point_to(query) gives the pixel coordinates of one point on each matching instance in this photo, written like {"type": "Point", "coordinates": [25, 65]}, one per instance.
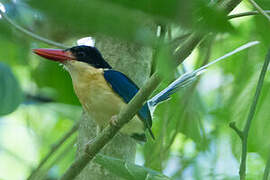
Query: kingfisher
{"type": "Point", "coordinates": [101, 90]}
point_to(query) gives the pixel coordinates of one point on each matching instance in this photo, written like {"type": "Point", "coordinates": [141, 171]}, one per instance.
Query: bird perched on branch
{"type": "Point", "coordinates": [103, 91]}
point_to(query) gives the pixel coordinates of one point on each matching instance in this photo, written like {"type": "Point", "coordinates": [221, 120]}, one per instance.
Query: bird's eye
{"type": "Point", "coordinates": [81, 54]}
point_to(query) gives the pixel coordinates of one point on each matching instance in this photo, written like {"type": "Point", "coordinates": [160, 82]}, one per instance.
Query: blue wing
{"type": "Point", "coordinates": [127, 89]}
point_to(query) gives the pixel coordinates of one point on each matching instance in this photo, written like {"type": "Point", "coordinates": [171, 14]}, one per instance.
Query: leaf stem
{"type": "Point", "coordinates": [249, 13]}
{"type": "Point", "coordinates": [244, 133]}
{"type": "Point", "coordinates": [238, 131]}
{"type": "Point", "coordinates": [259, 9]}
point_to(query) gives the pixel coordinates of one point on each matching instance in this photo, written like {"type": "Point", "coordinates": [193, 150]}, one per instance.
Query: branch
{"type": "Point", "coordinates": [261, 11]}
{"type": "Point", "coordinates": [244, 134]}
{"type": "Point", "coordinates": [125, 115]}
{"type": "Point", "coordinates": [187, 47]}
{"type": "Point", "coordinates": [251, 115]}
{"type": "Point", "coordinates": [59, 157]}
{"type": "Point", "coordinates": [238, 131]}
{"type": "Point", "coordinates": [249, 13]}
{"type": "Point", "coordinates": [28, 33]}
{"type": "Point", "coordinates": [54, 148]}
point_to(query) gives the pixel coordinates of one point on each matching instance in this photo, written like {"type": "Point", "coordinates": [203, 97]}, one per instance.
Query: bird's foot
{"type": "Point", "coordinates": [88, 145]}
{"type": "Point", "coordinates": [114, 120]}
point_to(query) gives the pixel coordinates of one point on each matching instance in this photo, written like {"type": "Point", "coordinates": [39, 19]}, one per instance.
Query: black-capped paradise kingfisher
{"type": "Point", "coordinates": [101, 90]}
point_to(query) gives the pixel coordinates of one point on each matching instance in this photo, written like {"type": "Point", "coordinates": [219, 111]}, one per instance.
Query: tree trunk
{"type": "Point", "coordinates": [134, 61]}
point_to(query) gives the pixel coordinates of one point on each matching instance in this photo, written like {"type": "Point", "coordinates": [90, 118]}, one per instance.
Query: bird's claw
{"type": "Point", "coordinates": [114, 120]}
{"type": "Point", "coordinates": [88, 144]}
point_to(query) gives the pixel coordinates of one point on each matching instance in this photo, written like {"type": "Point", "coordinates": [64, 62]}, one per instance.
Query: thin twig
{"type": "Point", "coordinates": [238, 131]}
{"type": "Point", "coordinates": [258, 8]}
{"type": "Point", "coordinates": [110, 131]}
{"type": "Point", "coordinates": [244, 133]}
{"type": "Point", "coordinates": [59, 157]}
{"type": "Point", "coordinates": [251, 114]}
{"type": "Point", "coordinates": [54, 148]}
{"type": "Point", "coordinates": [159, 45]}
{"type": "Point", "coordinates": [187, 47]}
{"type": "Point", "coordinates": [31, 34]}
{"type": "Point", "coordinates": [249, 13]}
{"type": "Point", "coordinates": [267, 168]}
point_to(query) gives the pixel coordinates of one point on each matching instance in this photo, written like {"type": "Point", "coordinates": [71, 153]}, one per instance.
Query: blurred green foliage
{"type": "Point", "coordinates": [193, 137]}
{"type": "Point", "coordinates": [10, 93]}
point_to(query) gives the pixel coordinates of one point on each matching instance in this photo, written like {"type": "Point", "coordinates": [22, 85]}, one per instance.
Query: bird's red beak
{"type": "Point", "coordinates": [55, 54]}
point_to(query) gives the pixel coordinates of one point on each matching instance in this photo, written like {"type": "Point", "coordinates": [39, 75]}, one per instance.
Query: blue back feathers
{"type": "Point", "coordinates": [127, 89]}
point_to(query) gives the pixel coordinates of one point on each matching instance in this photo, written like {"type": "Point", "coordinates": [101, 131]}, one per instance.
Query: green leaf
{"type": "Point", "coordinates": [158, 8]}
{"type": "Point", "coordinates": [165, 62]}
{"type": "Point", "coordinates": [209, 18]}
{"type": "Point", "coordinates": [5, 30]}
{"type": "Point", "coordinates": [128, 170]}
{"type": "Point", "coordinates": [180, 114]}
{"type": "Point", "coordinates": [262, 22]}
{"type": "Point", "coordinates": [98, 17]}
{"type": "Point", "coordinates": [10, 92]}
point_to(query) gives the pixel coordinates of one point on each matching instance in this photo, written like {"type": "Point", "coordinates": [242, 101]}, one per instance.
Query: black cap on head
{"type": "Point", "coordinates": [90, 55]}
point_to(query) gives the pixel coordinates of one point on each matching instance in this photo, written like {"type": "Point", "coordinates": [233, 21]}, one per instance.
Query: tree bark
{"type": "Point", "coordinates": [135, 62]}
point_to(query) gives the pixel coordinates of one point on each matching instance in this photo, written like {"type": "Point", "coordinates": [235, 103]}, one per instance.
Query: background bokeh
{"type": "Point", "coordinates": [194, 140]}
